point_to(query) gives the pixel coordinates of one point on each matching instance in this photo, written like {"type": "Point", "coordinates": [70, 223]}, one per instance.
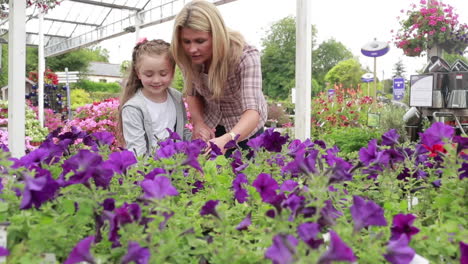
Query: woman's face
{"type": "Point", "coordinates": [197, 45]}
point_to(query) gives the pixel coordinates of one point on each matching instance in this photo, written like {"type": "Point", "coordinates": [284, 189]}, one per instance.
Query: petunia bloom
{"type": "Point", "coordinates": [4, 252]}
{"type": "Point", "coordinates": [81, 252]}
{"type": "Point", "coordinates": [337, 251]}
{"type": "Point", "coordinates": [240, 194]}
{"type": "Point", "coordinates": [244, 224]}
{"type": "Point", "coordinates": [136, 254]}
{"type": "Point", "coordinates": [266, 186]}
{"type": "Point", "coordinates": [463, 252]}
{"type": "Point", "coordinates": [308, 233]}
{"type": "Point", "coordinates": [283, 249]}
{"type": "Point", "coordinates": [158, 188]}
{"type": "Point", "coordinates": [210, 208]}
{"type": "Point", "coordinates": [403, 225]}
{"type": "Point", "coordinates": [366, 213]}
{"type": "Point", "coordinates": [398, 251]}
{"type": "Point", "coordinates": [38, 190]}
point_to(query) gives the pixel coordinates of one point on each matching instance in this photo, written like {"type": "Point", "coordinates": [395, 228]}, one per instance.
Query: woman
{"type": "Point", "coordinates": [222, 75]}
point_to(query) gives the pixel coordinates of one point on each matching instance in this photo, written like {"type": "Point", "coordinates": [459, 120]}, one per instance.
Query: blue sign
{"type": "Point", "coordinates": [398, 88]}
{"type": "Point", "coordinates": [331, 92]}
{"type": "Point", "coordinates": [367, 80]}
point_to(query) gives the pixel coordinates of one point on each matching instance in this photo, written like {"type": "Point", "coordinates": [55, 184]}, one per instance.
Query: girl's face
{"type": "Point", "coordinates": [197, 45]}
{"type": "Point", "coordinates": [155, 73]}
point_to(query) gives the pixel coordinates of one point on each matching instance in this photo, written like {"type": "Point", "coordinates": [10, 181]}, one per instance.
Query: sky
{"type": "Point", "coordinates": [353, 23]}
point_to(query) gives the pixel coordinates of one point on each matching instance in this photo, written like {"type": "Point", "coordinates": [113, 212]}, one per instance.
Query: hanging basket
{"type": "Point", "coordinates": [452, 47]}
{"type": "Point", "coordinates": [412, 53]}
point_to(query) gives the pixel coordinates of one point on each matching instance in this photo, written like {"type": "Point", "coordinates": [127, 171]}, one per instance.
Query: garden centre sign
{"type": "Point", "coordinates": [375, 49]}
{"type": "Point", "coordinates": [398, 88]}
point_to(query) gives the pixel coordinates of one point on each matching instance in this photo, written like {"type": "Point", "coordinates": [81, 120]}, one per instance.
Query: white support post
{"type": "Point", "coordinates": [16, 77]}
{"type": "Point", "coordinates": [40, 72]}
{"type": "Point", "coordinates": [303, 69]}
{"type": "Point", "coordinates": [138, 22]}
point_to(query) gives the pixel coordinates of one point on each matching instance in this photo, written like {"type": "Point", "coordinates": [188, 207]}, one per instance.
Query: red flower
{"type": "Point", "coordinates": [435, 149]}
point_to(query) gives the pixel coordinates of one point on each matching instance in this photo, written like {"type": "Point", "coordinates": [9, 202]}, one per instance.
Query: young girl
{"type": "Point", "coordinates": [148, 106]}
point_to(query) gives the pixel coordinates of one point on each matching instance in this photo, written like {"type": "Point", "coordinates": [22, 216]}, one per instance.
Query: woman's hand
{"type": "Point", "coordinates": [202, 131]}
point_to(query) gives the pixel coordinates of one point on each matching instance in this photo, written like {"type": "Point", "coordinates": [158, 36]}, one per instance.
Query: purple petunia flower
{"type": "Point", "coordinates": [173, 135]}
{"type": "Point", "coordinates": [4, 252]}
{"type": "Point", "coordinates": [120, 161]}
{"type": "Point", "coordinates": [463, 171]}
{"type": "Point", "coordinates": [283, 249]}
{"type": "Point", "coordinates": [390, 138]}
{"type": "Point", "coordinates": [436, 134]}
{"type": "Point", "coordinates": [240, 194]}
{"type": "Point", "coordinates": [193, 162]}
{"type": "Point", "coordinates": [328, 214]}
{"type": "Point", "coordinates": [158, 188]}
{"type": "Point", "coordinates": [166, 216]}
{"type": "Point", "coordinates": [210, 208]}
{"type": "Point", "coordinates": [462, 143]}
{"type": "Point", "coordinates": [308, 233]}
{"type": "Point", "coordinates": [266, 186]}
{"type": "Point", "coordinates": [154, 172]}
{"type": "Point", "coordinates": [109, 204]}
{"type": "Point", "coordinates": [38, 190]}
{"type": "Point", "coordinates": [256, 143]}
{"type": "Point", "coordinates": [273, 141]}
{"type": "Point", "coordinates": [104, 138]}
{"type": "Point", "coordinates": [32, 159]}
{"type": "Point", "coordinates": [437, 183]}
{"type": "Point", "coordinates": [337, 251]}
{"type": "Point", "coordinates": [398, 251]}
{"type": "Point", "coordinates": [366, 213]}
{"type": "Point", "coordinates": [244, 224]}
{"type": "Point", "coordinates": [81, 252]}
{"type": "Point", "coordinates": [293, 203]}
{"type": "Point", "coordinates": [463, 252]}
{"type": "Point", "coordinates": [136, 254]}
{"type": "Point", "coordinates": [403, 225]}
{"type": "Point", "coordinates": [288, 186]}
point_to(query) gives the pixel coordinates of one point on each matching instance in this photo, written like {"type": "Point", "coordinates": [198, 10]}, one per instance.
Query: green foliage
{"type": "Point", "coordinates": [278, 58]}
{"type": "Point", "coordinates": [79, 97]}
{"type": "Point", "coordinates": [90, 86]}
{"type": "Point", "coordinates": [101, 96]}
{"type": "Point", "coordinates": [351, 139]}
{"type": "Point", "coordinates": [346, 72]}
{"type": "Point", "coordinates": [77, 60]}
{"type": "Point", "coordinates": [451, 58]}
{"type": "Point", "coordinates": [178, 82]}
{"type": "Point", "coordinates": [31, 63]}
{"type": "Point", "coordinates": [328, 54]}
{"type": "Point", "coordinates": [391, 117]}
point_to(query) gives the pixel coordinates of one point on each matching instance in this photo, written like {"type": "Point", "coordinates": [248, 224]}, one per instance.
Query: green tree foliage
{"type": "Point", "coordinates": [278, 58]}
{"type": "Point", "coordinates": [346, 72]}
{"type": "Point", "coordinates": [31, 63]}
{"type": "Point", "coordinates": [328, 54]}
{"type": "Point", "coordinates": [399, 69]}
{"type": "Point", "coordinates": [77, 60]}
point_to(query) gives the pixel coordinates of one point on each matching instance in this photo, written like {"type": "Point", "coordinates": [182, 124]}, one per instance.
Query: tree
{"type": "Point", "coordinates": [326, 56]}
{"type": "Point", "coordinates": [279, 57]}
{"type": "Point", "coordinates": [31, 63]}
{"type": "Point", "coordinates": [77, 60]}
{"type": "Point", "coordinates": [399, 69]}
{"type": "Point", "coordinates": [346, 72]}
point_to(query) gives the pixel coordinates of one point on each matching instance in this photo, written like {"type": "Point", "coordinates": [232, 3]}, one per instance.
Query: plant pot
{"type": "Point", "coordinates": [35, 143]}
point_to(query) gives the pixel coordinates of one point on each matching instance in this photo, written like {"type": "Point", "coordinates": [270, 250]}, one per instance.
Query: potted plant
{"type": "Point", "coordinates": [428, 25]}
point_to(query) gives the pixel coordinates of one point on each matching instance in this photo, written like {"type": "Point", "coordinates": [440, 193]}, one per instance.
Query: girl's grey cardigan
{"type": "Point", "coordinates": [139, 119]}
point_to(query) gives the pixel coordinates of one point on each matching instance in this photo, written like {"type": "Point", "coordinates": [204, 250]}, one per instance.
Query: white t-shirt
{"type": "Point", "coordinates": [163, 115]}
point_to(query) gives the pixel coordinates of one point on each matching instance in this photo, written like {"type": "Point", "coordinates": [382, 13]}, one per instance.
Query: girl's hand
{"type": "Point", "coordinates": [202, 131]}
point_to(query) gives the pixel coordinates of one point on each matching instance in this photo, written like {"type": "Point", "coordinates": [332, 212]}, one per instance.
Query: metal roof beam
{"type": "Point", "coordinates": [71, 22]}
{"type": "Point", "coordinates": [96, 3]}
{"type": "Point", "coordinates": [49, 35]}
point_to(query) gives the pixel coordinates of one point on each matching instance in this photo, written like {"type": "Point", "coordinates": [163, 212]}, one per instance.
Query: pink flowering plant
{"type": "Point", "coordinates": [429, 24]}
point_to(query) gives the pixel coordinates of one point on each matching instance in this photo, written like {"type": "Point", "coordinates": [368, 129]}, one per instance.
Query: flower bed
{"type": "Point", "coordinates": [291, 201]}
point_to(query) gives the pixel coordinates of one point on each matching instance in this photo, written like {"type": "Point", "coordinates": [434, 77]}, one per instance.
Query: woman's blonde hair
{"type": "Point", "coordinates": [133, 83]}
{"type": "Point", "coordinates": [227, 45]}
